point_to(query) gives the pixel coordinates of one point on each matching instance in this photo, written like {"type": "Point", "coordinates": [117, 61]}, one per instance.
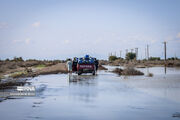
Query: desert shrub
{"type": "Point", "coordinates": [127, 71]}
{"type": "Point", "coordinates": [118, 71]}
{"type": "Point", "coordinates": [150, 75]}
{"type": "Point", "coordinates": [131, 71]}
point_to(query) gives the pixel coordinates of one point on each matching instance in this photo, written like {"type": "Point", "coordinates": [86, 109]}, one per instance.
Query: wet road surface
{"type": "Point", "coordinates": [105, 96]}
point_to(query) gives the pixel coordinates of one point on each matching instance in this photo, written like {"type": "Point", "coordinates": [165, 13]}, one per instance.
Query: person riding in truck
{"type": "Point", "coordinates": [91, 60]}
{"type": "Point", "coordinates": [80, 60]}
{"type": "Point", "coordinates": [86, 58]}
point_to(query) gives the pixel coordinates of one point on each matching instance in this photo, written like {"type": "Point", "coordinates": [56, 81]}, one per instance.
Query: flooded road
{"type": "Point", "coordinates": [105, 96]}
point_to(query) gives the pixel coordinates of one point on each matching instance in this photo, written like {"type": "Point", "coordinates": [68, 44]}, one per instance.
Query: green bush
{"type": "Point", "coordinates": [173, 58]}
{"type": "Point", "coordinates": [7, 59]}
{"type": "Point", "coordinates": [17, 59]}
{"type": "Point", "coordinates": [130, 56]}
{"type": "Point", "coordinates": [112, 58]}
{"type": "Point", "coordinates": [154, 58]}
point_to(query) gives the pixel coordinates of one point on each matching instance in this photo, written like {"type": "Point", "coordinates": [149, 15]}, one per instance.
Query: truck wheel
{"type": "Point", "coordinates": [93, 73]}
{"type": "Point", "coordinates": [79, 73]}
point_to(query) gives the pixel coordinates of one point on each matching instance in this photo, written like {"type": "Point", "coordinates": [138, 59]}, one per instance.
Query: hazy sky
{"type": "Point", "coordinates": [57, 29]}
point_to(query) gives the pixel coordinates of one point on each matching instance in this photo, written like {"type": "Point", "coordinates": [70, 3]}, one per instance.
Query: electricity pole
{"type": "Point", "coordinates": [165, 51]}
{"type": "Point", "coordinates": [111, 54]}
{"type": "Point", "coordinates": [136, 51]}
{"type": "Point", "coordinates": [131, 50]}
{"type": "Point", "coordinates": [126, 51]}
{"type": "Point", "coordinates": [120, 53]}
{"type": "Point", "coordinates": [147, 52]}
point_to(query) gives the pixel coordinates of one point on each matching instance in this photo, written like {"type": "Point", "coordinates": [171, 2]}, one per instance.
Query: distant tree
{"type": "Point", "coordinates": [112, 58]}
{"type": "Point", "coordinates": [173, 58]}
{"type": "Point", "coordinates": [130, 56]}
{"type": "Point", "coordinates": [7, 59]}
{"type": "Point", "coordinates": [154, 58]}
{"type": "Point", "coordinates": [17, 59]}
{"type": "Point", "coordinates": [120, 58]}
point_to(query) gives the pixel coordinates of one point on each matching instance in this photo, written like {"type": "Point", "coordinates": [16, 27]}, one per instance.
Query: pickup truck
{"type": "Point", "coordinates": [86, 68]}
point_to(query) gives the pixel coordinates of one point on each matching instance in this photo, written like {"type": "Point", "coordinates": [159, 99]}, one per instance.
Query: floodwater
{"type": "Point", "coordinates": [105, 96]}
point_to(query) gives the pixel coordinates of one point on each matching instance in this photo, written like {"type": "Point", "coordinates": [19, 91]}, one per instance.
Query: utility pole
{"type": "Point", "coordinates": [126, 51]}
{"type": "Point", "coordinates": [136, 51]}
{"type": "Point", "coordinates": [120, 53]}
{"type": "Point", "coordinates": [132, 50]}
{"type": "Point", "coordinates": [147, 52]}
{"type": "Point", "coordinates": [165, 51]}
{"type": "Point", "coordinates": [114, 53]}
{"type": "Point", "coordinates": [109, 55]}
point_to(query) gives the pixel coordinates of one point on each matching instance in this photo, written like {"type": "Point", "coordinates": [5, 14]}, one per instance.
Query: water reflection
{"type": "Point", "coordinates": [165, 68]}
{"type": "Point", "coordinates": [40, 89]}
{"type": "Point", "coordinates": [81, 78]}
{"type": "Point", "coordinates": [83, 88]}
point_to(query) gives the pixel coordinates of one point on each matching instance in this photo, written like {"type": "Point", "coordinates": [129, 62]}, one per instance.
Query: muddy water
{"type": "Point", "coordinates": [106, 96]}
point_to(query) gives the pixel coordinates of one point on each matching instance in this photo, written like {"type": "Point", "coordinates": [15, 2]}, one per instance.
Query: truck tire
{"type": "Point", "coordinates": [94, 72]}
{"type": "Point", "coordinates": [79, 73]}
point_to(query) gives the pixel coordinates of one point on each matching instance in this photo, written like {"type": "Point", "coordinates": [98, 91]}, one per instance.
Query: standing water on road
{"type": "Point", "coordinates": [105, 96]}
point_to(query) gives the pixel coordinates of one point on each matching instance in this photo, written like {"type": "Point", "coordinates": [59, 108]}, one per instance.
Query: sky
{"type": "Point", "coordinates": [60, 29]}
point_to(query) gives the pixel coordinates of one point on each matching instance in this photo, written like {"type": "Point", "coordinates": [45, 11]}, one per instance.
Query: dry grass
{"type": "Point", "coordinates": [128, 71]}
{"type": "Point", "coordinates": [149, 75]}
{"type": "Point", "coordinates": [18, 74]}
{"type": "Point", "coordinates": [118, 71]}
{"type": "Point", "coordinates": [131, 71]}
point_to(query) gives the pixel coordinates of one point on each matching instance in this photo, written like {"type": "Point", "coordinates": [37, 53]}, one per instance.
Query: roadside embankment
{"type": "Point", "coordinates": [9, 77]}
{"type": "Point", "coordinates": [143, 63]}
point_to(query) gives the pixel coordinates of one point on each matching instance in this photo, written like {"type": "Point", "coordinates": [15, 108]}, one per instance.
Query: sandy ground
{"type": "Point", "coordinates": [58, 68]}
